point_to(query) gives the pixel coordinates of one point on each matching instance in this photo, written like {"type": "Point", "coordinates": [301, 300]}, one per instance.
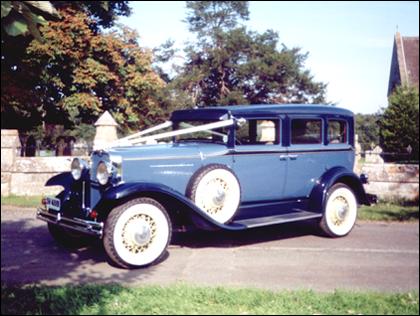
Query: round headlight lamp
{"type": "Point", "coordinates": [77, 166]}
{"type": "Point", "coordinates": [102, 173]}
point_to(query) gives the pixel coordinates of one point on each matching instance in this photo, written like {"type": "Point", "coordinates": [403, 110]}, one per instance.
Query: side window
{"type": "Point", "coordinates": [258, 132]}
{"type": "Point", "coordinates": [337, 132]}
{"type": "Point", "coordinates": [306, 131]}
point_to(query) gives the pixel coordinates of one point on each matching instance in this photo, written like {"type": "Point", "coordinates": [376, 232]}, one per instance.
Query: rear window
{"type": "Point", "coordinates": [306, 131]}
{"type": "Point", "coordinates": [337, 132]}
{"type": "Point", "coordinates": [258, 132]}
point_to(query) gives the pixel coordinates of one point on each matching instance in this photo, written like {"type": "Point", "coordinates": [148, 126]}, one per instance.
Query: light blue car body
{"type": "Point", "coordinates": [275, 179]}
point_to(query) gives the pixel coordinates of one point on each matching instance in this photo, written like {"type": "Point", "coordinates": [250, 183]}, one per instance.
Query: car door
{"type": "Point", "coordinates": [260, 160]}
{"type": "Point", "coordinates": [306, 154]}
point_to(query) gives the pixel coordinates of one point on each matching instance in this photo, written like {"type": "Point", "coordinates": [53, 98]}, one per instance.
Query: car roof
{"type": "Point", "coordinates": [216, 112]}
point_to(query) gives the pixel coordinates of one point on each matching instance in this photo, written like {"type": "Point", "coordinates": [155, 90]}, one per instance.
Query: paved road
{"type": "Point", "coordinates": [375, 256]}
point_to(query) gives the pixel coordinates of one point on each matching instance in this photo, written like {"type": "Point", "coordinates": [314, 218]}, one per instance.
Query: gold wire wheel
{"type": "Point", "coordinates": [213, 203]}
{"type": "Point", "coordinates": [138, 233]}
{"type": "Point", "coordinates": [341, 209]}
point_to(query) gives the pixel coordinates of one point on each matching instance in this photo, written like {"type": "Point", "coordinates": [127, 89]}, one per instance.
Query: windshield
{"type": "Point", "coordinates": [218, 135]}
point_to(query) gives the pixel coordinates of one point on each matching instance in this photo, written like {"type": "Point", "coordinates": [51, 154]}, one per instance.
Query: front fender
{"type": "Point", "coordinates": [127, 191]}
{"type": "Point", "coordinates": [64, 179]}
{"type": "Point", "coordinates": [318, 195]}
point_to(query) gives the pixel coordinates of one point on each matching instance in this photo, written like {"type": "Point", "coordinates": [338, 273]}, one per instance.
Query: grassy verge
{"type": "Point", "coordinates": [22, 201]}
{"type": "Point", "coordinates": [183, 299]}
{"type": "Point", "coordinates": [389, 212]}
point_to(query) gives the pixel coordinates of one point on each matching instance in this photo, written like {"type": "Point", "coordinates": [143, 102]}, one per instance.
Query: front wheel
{"type": "Point", "coordinates": [137, 233]}
{"type": "Point", "coordinates": [340, 211]}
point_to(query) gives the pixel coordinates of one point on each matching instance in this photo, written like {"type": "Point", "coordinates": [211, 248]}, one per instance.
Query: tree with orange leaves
{"type": "Point", "coordinates": [78, 72]}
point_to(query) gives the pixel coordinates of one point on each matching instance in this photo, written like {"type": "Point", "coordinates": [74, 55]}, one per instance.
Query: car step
{"type": "Point", "coordinates": [296, 215]}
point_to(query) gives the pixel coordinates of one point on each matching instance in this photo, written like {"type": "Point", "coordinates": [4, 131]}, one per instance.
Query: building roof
{"type": "Point", "coordinates": [405, 62]}
{"type": "Point", "coordinates": [214, 113]}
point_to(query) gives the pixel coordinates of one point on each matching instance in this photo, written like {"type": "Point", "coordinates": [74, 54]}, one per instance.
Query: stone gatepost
{"type": "Point", "coordinates": [374, 156]}
{"type": "Point", "coordinates": [106, 131]}
{"type": "Point", "coordinates": [10, 145]}
{"type": "Point", "coordinates": [358, 153]}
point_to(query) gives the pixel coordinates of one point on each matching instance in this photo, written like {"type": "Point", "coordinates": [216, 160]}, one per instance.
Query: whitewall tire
{"type": "Point", "coordinates": [137, 233]}
{"type": "Point", "coordinates": [216, 191]}
{"type": "Point", "coordinates": [340, 211]}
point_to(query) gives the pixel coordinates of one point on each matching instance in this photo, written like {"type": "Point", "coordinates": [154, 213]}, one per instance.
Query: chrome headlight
{"type": "Point", "coordinates": [103, 173]}
{"type": "Point", "coordinates": [77, 166]}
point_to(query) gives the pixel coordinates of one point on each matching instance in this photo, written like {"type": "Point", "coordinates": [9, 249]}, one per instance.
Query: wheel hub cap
{"type": "Point", "coordinates": [219, 196]}
{"type": "Point", "coordinates": [341, 207]}
{"type": "Point", "coordinates": [216, 198]}
{"type": "Point", "coordinates": [143, 234]}
{"type": "Point", "coordinates": [138, 233]}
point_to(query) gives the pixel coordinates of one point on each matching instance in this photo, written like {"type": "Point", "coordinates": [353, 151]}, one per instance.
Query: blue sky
{"type": "Point", "coordinates": [349, 43]}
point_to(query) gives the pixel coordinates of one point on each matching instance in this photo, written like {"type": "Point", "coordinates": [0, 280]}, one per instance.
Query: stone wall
{"type": "Point", "coordinates": [29, 174]}
{"type": "Point", "coordinates": [10, 145]}
{"type": "Point", "coordinates": [391, 181]}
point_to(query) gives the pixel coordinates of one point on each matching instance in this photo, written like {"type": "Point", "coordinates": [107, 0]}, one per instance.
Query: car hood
{"type": "Point", "coordinates": [169, 151]}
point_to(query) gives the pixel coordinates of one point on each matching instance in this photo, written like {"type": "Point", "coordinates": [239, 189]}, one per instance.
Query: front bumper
{"type": "Point", "coordinates": [75, 224]}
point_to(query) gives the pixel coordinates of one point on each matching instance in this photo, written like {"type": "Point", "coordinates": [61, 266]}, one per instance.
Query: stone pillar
{"type": "Point", "coordinates": [106, 131]}
{"type": "Point", "coordinates": [374, 156]}
{"type": "Point", "coordinates": [10, 145]}
{"type": "Point", "coordinates": [358, 153]}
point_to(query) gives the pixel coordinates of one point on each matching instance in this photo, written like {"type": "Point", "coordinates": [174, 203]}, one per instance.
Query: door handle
{"type": "Point", "coordinates": [293, 157]}
{"type": "Point", "coordinates": [283, 157]}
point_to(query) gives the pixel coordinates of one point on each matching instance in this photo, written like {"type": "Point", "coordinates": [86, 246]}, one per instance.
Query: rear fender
{"type": "Point", "coordinates": [336, 175]}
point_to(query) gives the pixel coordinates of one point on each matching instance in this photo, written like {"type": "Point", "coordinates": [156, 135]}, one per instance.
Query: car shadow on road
{"type": "Point", "coordinates": [226, 239]}
{"type": "Point", "coordinates": [30, 255]}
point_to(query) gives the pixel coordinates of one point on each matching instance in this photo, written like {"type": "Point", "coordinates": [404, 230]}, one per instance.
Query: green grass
{"type": "Point", "coordinates": [183, 299]}
{"type": "Point", "coordinates": [389, 212]}
{"type": "Point", "coordinates": [22, 201]}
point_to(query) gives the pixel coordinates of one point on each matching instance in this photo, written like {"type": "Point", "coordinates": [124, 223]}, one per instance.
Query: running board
{"type": "Point", "coordinates": [297, 215]}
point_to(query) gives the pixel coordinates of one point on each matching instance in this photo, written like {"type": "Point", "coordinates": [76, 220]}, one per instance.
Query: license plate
{"type": "Point", "coordinates": [53, 204]}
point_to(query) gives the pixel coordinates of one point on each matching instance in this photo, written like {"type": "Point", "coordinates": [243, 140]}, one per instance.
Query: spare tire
{"type": "Point", "coordinates": [216, 190]}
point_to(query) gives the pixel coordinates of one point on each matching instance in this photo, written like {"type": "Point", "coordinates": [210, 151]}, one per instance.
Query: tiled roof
{"type": "Point", "coordinates": [405, 62]}
{"type": "Point", "coordinates": [411, 53]}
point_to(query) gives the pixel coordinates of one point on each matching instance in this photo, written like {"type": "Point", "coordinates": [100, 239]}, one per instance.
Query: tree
{"type": "Point", "coordinates": [399, 125]}
{"type": "Point", "coordinates": [368, 130]}
{"type": "Point", "coordinates": [78, 73]}
{"type": "Point", "coordinates": [101, 13]}
{"type": "Point", "coordinates": [23, 17]}
{"type": "Point", "coordinates": [22, 103]}
{"type": "Point", "coordinates": [229, 65]}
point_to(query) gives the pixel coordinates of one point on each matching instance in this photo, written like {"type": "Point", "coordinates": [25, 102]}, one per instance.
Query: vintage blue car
{"type": "Point", "coordinates": [222, 168]}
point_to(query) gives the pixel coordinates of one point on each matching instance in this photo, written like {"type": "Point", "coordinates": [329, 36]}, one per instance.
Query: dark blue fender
{"type": "Point", "coordinates": [126, 191]}
{"type": "Point", "coordinates": [64, 179]}
{"type": "Point", "coordinates": [334, 175]}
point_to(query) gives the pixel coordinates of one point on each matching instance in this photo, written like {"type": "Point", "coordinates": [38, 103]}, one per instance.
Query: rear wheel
{"type": "Point", "coordinates": [137, 233]}
{"type": "Point", "coordinates": [340, 211]}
